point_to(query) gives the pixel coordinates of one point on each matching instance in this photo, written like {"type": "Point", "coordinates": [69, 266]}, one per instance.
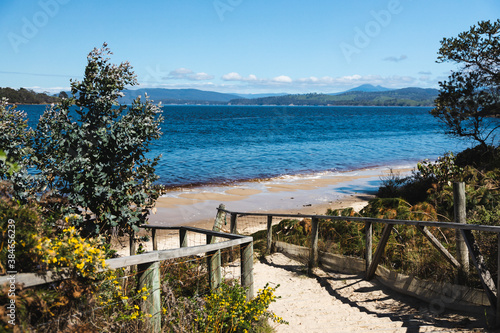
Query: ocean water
{"type": "Point", "coordinates": [204, 145]}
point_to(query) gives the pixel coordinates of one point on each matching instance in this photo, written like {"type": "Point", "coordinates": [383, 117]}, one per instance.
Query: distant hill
{"type": "Point", "coordinates": [26, 96]}
{"type": "Point", "coordinates": [169, 96]}
{"type": "Point", "coordinates": [369, 88]}
{"type": "Point", "coordinates": [398, 97]}
{"type": "Point", "coordinates": [261, 95]}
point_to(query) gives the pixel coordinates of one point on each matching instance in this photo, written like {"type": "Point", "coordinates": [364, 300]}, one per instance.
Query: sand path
{"type": "Point", "coordinates": [331, 302]}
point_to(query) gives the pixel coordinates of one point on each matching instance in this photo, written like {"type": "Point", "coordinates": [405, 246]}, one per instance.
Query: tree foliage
{"type": "Point", "coordinates": [468, 103]}
{"type": "Point", "coordinates": [15, 150]}
{"type": "Point", "coordinates": [399, 97]}
{"type": "Point", "coordinates": [26, 96]}
{"type": "Point", "coordinates": [94, 153]}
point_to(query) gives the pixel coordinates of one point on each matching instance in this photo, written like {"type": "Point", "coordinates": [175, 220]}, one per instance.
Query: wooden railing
{"type": "Point", "coordinates": [373, 259]}
{"type": "Point", "coordinates": [148, 265]}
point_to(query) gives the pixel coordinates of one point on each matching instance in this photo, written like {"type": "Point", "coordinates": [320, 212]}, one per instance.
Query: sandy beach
{"type": "Point", "coordinates": [328, 301]}
{"type": "Point", "coordinates": [305, 194]}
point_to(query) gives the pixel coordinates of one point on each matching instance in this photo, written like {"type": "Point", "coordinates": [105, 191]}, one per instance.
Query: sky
{"type": "Point", "coordinates": [236, 46]}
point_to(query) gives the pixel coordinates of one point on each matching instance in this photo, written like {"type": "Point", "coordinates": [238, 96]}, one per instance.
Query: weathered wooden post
{"type": "Point", "coordinates": [154, 239]}
{"type": "Point", "coordinates": [219, 218]}
{"type": "Point", "coordinates": [369, 244]}
{"type": "Point", "coordinates": [313, 256]}
{"type": "Point", "coordinates": [150, 279]}
{"type": "Point", "coordinates": [386, 233]}
{"type": "Point", "coordinates": [246, 251]}
{"type": "Point", "coordinates": [269, 234]}
{"type": "Point", "coordinates": [459, 205]}
{"type": "Point", "coordinates": [131, 243]}
{"type": "Point", "coordinates": [214, 265]}
{"type": "Point", "coordinates": [234, 224]}
{"type": "Point", "coordinates": [183, 242]}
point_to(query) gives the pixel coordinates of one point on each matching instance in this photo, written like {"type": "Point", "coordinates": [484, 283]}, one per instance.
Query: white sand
{"type": "Point", "coordinates": [332, 302]}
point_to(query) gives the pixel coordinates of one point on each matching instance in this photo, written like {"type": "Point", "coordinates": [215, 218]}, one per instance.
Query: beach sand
{"type": "Point", "coordinates": [305, 194]}
{"type": "Point", "coordinates": [328, 302]}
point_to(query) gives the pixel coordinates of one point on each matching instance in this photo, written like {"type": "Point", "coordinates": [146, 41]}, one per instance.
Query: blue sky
{"type": "Point", "coordinates": [237, 46]}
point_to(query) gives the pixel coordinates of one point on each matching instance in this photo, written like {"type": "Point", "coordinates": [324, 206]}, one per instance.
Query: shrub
{"type": "Point", "coordinates": [20, 225]}
{"type": "Point", "coordinates": [228, 310]}
{"type": "Point", "coordinates": [97, 159]}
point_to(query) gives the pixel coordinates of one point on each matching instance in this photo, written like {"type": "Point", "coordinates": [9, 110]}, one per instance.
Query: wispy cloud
{"type": "Point", "coordinates": [282, 79]}
{"type": "Point", "coordinates": [313, 83]}
{"type": "Point", "coordinates": [233, 76]}
{"type": "Point", "coordinates": [425, 73]}
{"type": "Point", "coordinates": [396, 59]}
{"type": "Point", "coordinates": [187, 74]}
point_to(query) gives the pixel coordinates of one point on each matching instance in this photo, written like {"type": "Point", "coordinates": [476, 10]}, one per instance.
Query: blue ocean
{"type": "Point", "coordinates": [204, 145]}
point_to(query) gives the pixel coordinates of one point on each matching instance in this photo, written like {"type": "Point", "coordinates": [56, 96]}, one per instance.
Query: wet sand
{"type": "Point", "coordinates": [305, 194]}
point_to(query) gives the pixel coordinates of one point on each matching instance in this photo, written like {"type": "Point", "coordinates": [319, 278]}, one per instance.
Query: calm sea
{"type": "Point", "coordinates": [222, 144]}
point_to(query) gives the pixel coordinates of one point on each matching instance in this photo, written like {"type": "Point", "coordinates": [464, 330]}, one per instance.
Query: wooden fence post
{"type": "Point", "coordinates": [234, 224]}
{"type": "Point", "coordinates": [379, 251]}
{"type": "Point", "coordinates": [154, 239]}
{"type": "Point", "coordinates": [131, 243]}
{"type": "Point", "coordinates": [246, 251]}
{"type": "Point", "coordinates": [459, 205]}
{"type": "Point", "coordinates": [313, 256]}
{"type": "Point", "coordinates": [269, 234]}
{"type": "Point", "coordinates": [369, 244]}
{"type": "Point", "coordinates": [214, 265]}
{"type": "Point", "coordinates": [183, 242]}
{"type": "Point", "coordinates": [219, 218]}
{"type": "Point", "coordinates": [150, 279]}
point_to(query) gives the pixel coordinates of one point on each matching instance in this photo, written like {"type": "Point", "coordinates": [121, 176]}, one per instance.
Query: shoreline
{"type": "Point", "coordinates": [310, 195]}
{"type": "Point", "coordinates": [304, 194]}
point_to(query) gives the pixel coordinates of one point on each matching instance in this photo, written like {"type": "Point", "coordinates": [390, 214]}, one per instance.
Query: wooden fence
{"type": "Point", "coordinates": [373, 259]}
{"type": "Point", "coordinates": [148, 265]}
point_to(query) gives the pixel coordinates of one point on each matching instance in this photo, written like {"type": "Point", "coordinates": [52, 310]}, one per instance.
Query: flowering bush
{"type": "Point", "coordinates": [82, 256]}
{"type": "Point", "coordinates": [119, 300]}
{"type": "Point", "coordinates": [227, 309]}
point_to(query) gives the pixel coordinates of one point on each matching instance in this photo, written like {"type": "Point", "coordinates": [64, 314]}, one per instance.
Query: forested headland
{"type": "Point", "coordinates": [26, 96]}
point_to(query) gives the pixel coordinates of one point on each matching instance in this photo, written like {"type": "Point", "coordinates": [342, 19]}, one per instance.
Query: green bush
{"type": "Point", "coordinates": [228, 310]}
{"type": "Point", "coordinates": [20, 226]}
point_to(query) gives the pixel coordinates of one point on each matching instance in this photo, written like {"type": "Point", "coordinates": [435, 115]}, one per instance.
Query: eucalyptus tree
{"type": "Point", "coordinates": [93, 151]}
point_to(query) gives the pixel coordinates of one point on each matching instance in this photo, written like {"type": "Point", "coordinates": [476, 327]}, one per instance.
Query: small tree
{"type": "Point", "coordinates": [94, 153]}
{"type": "Point", "coordinates": [469, 101]}
{"type": "Point", "coordinates": [15, 147]}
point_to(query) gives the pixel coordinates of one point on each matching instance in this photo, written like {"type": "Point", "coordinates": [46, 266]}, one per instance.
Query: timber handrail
{"type": "Point", "coordinates": [149, 268]}
{"type": "Point", "coordinates": [451, 225]}
{"type": "Point", "coordinates": [464, 230]}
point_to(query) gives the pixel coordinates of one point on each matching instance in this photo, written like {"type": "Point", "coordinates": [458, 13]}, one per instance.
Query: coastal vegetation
{"type": "Point", "coordinates": [398, 97]}
{"type": "Point", "coordinates": [468, 106]}
{"type": "Point", "coordinates": [65, 187]}
{"type": "Point", "coordinates": [93, 177]}
{"type": "Point", "coordinates": [366, 96]}
{"type": "Point", "coordinates": [27, 96]}
{"type": "Point", "coordinates": [470, 98]}
{"type": "Point", "coordinates": [97, 161]}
